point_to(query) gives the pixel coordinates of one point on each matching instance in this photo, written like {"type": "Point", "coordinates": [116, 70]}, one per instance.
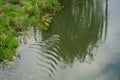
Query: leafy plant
{"type": "Point", "coordinates": [14, 1]}
{"type": "Point", "coordinates": [46, 20]}
{"type": "Point", "coordinates": [52, 5]}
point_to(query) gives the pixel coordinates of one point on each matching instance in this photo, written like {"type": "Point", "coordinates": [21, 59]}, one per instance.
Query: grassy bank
{"type": "Point", "coordinates": [17, 15]}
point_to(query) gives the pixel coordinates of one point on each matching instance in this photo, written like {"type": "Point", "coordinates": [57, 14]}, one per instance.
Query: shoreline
{"type": "Point", "coordinates": [17, 16]}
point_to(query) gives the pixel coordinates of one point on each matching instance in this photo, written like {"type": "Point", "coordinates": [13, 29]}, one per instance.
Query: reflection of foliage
{"type": "Point", "coordinates": [81, 27]}
{"type": "Point", "coordinates": [47, 51]}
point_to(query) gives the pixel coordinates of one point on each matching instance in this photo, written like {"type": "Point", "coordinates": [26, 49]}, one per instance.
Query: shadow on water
{"type": "Point", "coordinates": [74, 34]}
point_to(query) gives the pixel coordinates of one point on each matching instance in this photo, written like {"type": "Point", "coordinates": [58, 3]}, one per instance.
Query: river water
{"type": "Point", "coordinates": [82, 43]}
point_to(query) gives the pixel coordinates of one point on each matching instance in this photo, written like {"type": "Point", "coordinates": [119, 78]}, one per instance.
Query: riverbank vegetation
{"type": "Point", "coordinates": [17, 16]}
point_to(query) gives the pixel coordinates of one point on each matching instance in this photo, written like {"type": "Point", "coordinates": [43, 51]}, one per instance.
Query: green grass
{"type": "Point", "coordinates": [8, 47]}
{"type": "Point", "coordinates": [16, 16]}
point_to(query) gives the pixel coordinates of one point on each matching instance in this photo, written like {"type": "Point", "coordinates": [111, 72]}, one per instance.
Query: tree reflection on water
{"type": "Point", "coordinates": [82, 27]}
